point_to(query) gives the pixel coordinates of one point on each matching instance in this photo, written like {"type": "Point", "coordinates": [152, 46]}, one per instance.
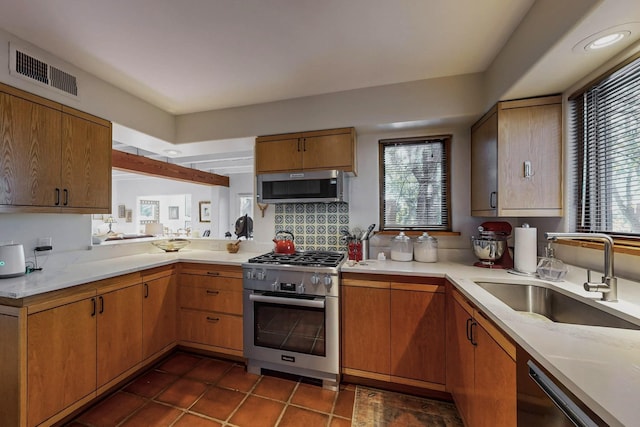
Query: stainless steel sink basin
{"type": "Point", "coordinates": [553, 305]}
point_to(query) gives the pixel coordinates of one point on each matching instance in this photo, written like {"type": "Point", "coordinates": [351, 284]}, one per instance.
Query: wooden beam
{"type": "Point", "coordinates": [146, 166]}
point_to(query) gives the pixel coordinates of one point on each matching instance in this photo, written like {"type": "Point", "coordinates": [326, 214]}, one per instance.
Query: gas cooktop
{"type": "Point", "coordinates": [307, 258]}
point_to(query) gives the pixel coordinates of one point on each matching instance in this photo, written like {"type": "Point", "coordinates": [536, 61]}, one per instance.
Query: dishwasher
{"type": "Point", "coordinates": [543, 401]}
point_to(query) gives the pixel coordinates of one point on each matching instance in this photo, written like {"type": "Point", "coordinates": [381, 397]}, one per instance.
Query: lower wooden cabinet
{"type": "Point", "coordinates": [210, 313]}
{"type": "Point", "coordinates": [119, 330]}
{"type": "Point", "coordinates": [61, 357]}
{"type": "Point", "coordinates": [158, 310]}
{"type": "Point", "coordinates": [393, 330]}
{"type": "Point", "coordinates": [481, 367]}
{"type": "Point", "coordinates": [210, 328]}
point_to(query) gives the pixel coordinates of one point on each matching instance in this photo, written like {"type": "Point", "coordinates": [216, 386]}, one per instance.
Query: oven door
{"type": "Point", "coordinates": [291, 329]}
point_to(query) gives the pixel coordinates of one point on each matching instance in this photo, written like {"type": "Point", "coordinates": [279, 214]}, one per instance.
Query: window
{"type": "Point", "coordinates": [415, 183]}
{"type": "Point", "coordinates": [606, 142]}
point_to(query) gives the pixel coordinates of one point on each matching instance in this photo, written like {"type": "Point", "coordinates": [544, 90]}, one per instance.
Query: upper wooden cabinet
{"type": "Point", "coordinates": [55, 158]}
{"type": "Point", "coordinates": [516, 159]}
{"type": "Point", "coordinates": [317, 150]}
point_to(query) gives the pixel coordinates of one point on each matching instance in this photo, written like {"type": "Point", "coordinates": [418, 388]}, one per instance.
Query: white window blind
{"type": "Point", "coordinates": [606, 129]}
{"type": "Point", "coordinates": [415, 183]}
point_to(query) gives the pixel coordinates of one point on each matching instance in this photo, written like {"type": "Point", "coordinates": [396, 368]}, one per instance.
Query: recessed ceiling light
{"type": "Point", "coordinates": [607, 40]}
{"type": "Point", "coordinates": [607, 37]}
{"type": "Point", "coordinates": [173, 152]}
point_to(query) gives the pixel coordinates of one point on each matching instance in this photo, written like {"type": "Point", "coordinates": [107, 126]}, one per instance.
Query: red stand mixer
{"type": "Point", "coordinates": [491, 245]}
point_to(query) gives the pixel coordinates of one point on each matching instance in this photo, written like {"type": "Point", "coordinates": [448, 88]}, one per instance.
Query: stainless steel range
{"type": "Point", "coordinates": [291, 314]}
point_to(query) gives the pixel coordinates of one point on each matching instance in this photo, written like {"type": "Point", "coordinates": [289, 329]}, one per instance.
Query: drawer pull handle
{"type": "Point", "coordinates": [211, 292]}
{"type": "Point", "coordinates": [213, 273]}
{"type": "Point", "coordinates": [213, 319]}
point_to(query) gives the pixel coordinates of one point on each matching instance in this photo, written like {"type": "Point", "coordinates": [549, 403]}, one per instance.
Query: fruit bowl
{"type": "Point", "coordinates": [171, 245]}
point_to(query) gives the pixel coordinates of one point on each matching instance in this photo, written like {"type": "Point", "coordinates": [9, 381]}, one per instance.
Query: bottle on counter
{"type": "Point", "coordinates": [425, 249]}
{"type": "Point", "coordinates": [402, 248]}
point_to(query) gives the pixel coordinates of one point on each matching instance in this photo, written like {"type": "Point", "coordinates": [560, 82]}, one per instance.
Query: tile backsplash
{"type": "Point", "coordinates": [316, 226]}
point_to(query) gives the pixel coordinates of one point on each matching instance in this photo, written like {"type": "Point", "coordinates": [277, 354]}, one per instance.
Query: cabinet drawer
{"type": "Point", "coordinates": [217, 329]}
{"type": "Point", "coordinates": [214, 282]}
{"type": "Point", "coordinates": [212, 298]}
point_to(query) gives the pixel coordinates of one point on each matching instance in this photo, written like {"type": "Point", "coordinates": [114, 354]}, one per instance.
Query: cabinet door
{"type": "Point", "coordinates": [328, 152]}
{"type": "Point", "coordinates": [460, 359]}
{"type": "Point", "coordinates": [61, 358]}
{"type": "Point", "coordinates": [119, 332]}
{"type": "Point", "coordinates": [495, 383]}
{"type": "Point", "coordinates": [30, 161]}
{"type": "Point", "coordinates": [418, 334]}
{"type": "Point", "coordinates": [530, 134]}
{"type": "Point", "coordinates": [86, 163]}
{"type": "Point", "coordinates": [158, 314]}
{"type": "Point", "coordinates": [366, 328]}
{"type": "Point", "coordinates": [484, 167]}
{"type": "Point", "coordinates": [278, 155]}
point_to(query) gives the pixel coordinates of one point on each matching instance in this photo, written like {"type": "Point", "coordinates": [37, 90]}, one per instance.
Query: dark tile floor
{"type": "Point", "coordinates": [197, 391]}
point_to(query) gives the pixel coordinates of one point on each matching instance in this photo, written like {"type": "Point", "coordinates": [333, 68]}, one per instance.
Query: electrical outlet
{"type": "Point", "coordinates": [45, 241]}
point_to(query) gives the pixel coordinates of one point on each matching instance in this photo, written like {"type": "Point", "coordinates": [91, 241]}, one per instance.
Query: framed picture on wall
{"type": "Point", "coordinates": [174, 212]}
{"type": "Point", "coordinates": [149, 211]}
{"type": "Point", "coordinates": [129, 215]}
{"type": "Point", "coordinates": [122, 211]}
{"type": "Point", "coordinates": [205, 211]}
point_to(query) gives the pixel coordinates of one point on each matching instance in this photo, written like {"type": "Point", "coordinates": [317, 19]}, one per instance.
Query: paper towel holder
{"type": "Point", "coordinates": [519, 272]}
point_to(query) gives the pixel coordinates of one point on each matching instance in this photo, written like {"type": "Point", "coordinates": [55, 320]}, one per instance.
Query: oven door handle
{"type": "Point", "coordinates": [314, 303]}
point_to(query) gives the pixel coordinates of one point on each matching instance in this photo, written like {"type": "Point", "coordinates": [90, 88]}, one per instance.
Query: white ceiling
{"type": "Point", "coordinates": [197, 55]}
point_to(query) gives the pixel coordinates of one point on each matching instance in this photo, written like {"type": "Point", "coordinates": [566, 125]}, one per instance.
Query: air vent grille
{"type": "Point", "coordinates": [31, 67]}
{"type": "Point", "coordinates": [36, 70]}
{"type": "Point", "coordinates": [63, 81]}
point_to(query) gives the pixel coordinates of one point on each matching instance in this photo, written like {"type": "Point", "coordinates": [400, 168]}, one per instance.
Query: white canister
{"type": "Point", "coordinates": [425, 249]}
{"type": "Point", "coordinates": [402, 248]}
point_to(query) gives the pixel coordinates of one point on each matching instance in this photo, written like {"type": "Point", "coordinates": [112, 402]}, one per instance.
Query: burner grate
{"type": "Point", "coordinates": [308, 258]}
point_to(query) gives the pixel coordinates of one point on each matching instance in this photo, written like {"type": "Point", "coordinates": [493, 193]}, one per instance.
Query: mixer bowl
{"type": "Point", "coordinates": [488, 249]}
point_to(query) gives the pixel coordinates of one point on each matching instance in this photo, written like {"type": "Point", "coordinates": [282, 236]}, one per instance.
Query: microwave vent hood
{"type": "Point", "coordinates": [302, 187]}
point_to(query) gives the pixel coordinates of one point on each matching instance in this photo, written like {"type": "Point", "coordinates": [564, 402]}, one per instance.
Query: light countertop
{"type": "Point", "coordinates": [68, 271]}
{"type": "Point", "coordinates": [601, 366]}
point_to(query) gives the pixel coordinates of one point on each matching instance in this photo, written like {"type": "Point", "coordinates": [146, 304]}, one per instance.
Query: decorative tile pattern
{"type": "Point", "coordinates": [316, 226]}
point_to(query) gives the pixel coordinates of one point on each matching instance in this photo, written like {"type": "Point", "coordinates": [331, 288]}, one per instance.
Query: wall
{"type": "Point", "coordinates": [364, 203]}
{"type": "Point", "coordinates": [95, 96]}
{"type": "Point", "coordinates": [457, 98]}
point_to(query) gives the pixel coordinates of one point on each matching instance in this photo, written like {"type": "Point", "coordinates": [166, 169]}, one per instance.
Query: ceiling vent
{"type": "Point", "coordinates": [37, 70]}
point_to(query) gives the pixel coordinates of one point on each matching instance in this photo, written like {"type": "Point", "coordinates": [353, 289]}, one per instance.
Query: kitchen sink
{"type": "Point", "coordinates": [553, 305]}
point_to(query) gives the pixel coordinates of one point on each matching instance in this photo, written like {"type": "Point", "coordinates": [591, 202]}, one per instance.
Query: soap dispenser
{"type": "Point", "coordinates": [550, 267]}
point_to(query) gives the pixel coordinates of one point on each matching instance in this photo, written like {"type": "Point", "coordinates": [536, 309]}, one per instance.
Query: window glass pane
{"type": "Point", "coordinates": [415, 184]}
{"type": "Point", "coordinates": [606, 126]}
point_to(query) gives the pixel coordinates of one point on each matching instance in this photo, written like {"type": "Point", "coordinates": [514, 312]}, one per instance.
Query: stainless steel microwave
{"type": "Point", "coordinates": [302, 187]}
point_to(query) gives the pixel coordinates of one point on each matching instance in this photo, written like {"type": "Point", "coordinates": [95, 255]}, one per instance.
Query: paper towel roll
{"type": "Point", "coordinates": [526, 252]}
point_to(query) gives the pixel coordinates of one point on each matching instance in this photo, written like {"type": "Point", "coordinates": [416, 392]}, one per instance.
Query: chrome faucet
{"type": "Point", "coordinates": [609, 284]}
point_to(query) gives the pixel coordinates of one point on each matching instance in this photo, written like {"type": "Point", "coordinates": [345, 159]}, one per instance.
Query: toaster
{"type": "Point", "coordinates": [12, 261]}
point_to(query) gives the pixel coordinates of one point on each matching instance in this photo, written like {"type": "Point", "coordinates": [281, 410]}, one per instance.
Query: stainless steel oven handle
{"type": "Point", "coordinates": [314, 303]}
{"type": "Point", "coordinates": [559, 398]}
